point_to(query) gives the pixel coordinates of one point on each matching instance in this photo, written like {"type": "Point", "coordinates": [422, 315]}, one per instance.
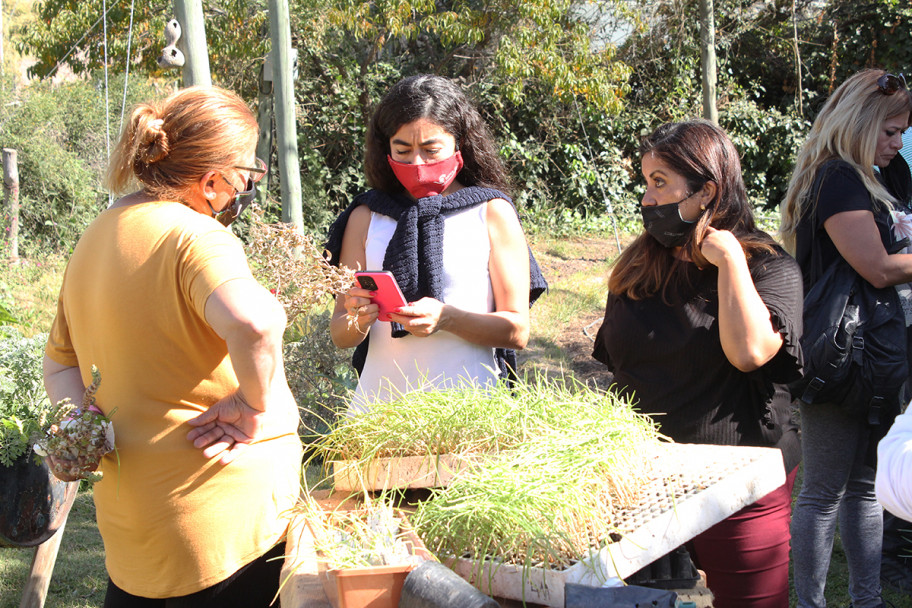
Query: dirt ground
{"type": "Point", "coordinates": [575, 341]}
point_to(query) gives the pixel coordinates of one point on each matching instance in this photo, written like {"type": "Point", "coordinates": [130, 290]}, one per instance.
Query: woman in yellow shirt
{"type": "Point", "coordinates": [158, 296]}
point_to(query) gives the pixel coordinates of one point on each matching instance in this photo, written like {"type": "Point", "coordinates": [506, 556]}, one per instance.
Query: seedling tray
{"type": "Point", "coordinates": [405, 472]}
{"type": "Point", "coordinates": [696, 486]}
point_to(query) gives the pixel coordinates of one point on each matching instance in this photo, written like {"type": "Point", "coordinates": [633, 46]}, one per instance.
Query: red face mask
{"type": "Point", "coordinates": [427, 180]}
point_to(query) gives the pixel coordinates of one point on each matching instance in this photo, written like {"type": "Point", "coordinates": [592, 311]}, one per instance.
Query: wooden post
{"type": "Point", "coordinates": [286, 135]}
{"type": "Point", "coordinates": [708, 56]}
{"type": "Point", "coordinates": [11, 198]}
{"type": "Point", "coordinates": [189, 13]}
{"type": "Point", "coordinates": [264, 118]}
{"type": "Point", "coordinates": [36, 587]}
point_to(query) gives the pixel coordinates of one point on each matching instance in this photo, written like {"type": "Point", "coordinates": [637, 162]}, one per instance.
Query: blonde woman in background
{"type": "Point", "coordinates": [850, 216]}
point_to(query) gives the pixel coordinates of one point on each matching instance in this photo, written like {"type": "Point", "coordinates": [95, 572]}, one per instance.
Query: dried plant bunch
{"type": "Point", "coordinates": [77, 436]}
{"type": "Point", "coordinates": [290, 265]}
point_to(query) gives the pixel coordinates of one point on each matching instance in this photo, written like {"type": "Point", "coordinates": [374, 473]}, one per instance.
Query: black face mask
{"type": "Point", "coordinates": [665, 224]}
{"type": "Point", "coordinates": [242, 200]}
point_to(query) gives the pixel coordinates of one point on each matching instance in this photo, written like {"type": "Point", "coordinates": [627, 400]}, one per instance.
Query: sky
{"type": "Point", "coordinates": [907, 146]}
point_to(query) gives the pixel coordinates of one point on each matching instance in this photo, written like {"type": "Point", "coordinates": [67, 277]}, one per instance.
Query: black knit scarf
{"type": "Point", "coordinates": [415, 251]}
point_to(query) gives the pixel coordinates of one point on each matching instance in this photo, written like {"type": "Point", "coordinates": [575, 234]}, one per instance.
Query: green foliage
{"type": "Point", "coordinates": [6, 317]}
{"type": "Point", "coordinates": [72, 29]}
{"type": "Point", "coordinates": [64, 26]}
{"type": "Point", "coordinates": [319, 374]}
{"type": "Point", "coordinates": [59, 132]}
{"type": "Point", "coordinates": [23, 401]}
{"type": "Point", "coordinates": [851, 35]}
{"type": "Point", "coordinates": [567, 107]}
{"type": "Point", "coordinates": [766, 127]}
{"type": "Point", "coordinates": [353, 52]}
{"type": "Point", "coordinates": [768, 141]}
{"type": "Point", "coordinates": [523, 45]}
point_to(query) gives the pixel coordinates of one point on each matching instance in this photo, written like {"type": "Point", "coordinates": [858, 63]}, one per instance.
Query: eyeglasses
{"type": "Point", "coordinates": [889, 84]}
{"type": "Point", "coordinates": [258, 172]}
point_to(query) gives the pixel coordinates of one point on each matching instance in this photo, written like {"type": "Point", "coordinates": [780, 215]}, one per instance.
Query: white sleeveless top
{"type": "Point", "coordinates": [442, 360]}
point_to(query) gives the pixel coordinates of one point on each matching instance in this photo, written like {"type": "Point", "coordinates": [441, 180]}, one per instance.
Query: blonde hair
{"type": "Point", "coordinates": [847, 128]}
{"type": "Point", "coordinates": [167, 146]}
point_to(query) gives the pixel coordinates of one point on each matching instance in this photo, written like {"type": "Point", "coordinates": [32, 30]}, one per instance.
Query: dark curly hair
{"type": "Point", "coordinates": [445, 104]}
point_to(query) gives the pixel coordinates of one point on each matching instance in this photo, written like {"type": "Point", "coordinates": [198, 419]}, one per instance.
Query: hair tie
{"type": "Point", "coordinates": [155, 145]}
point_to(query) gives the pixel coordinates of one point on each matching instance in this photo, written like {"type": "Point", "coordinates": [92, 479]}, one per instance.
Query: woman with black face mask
{"type": "Point", "coordinates": [701, 328]}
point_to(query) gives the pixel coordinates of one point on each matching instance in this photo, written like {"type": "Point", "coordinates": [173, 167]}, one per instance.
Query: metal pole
{"type": "Point", "coordinates": [189, 13]}
{"type": "Point", "coordinates": [286, 136]}
{"type": "Point", "coordinates": [708, 55]}
{"type": "Point", "coordinates": [11, 196]}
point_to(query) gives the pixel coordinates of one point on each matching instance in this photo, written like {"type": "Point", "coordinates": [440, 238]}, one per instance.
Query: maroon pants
{"type": "Point", "coordinates": [746, 556]}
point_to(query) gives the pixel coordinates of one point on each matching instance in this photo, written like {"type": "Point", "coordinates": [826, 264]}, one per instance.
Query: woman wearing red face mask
{"type": "Point", "coordinates": [438, 218]}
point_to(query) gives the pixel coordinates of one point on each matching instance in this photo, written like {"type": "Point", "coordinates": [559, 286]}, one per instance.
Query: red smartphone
{"type": "Point", "coordinates": [389, 297]}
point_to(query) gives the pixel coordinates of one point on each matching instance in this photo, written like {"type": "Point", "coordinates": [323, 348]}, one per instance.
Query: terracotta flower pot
{"type": "Point", "coordinates": [33, 503]}
{"type": "Point", "coordinates": [369, 587]}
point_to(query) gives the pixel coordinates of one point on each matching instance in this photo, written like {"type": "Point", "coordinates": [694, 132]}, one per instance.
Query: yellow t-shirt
{"type": "Point", "coordinates": [132, 304]}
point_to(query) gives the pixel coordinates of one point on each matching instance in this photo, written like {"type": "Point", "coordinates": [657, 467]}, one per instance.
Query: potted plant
{"type": "Point", "coordinates": [364, 551]}
{"type": "Point", "coordinates": [34, 503]}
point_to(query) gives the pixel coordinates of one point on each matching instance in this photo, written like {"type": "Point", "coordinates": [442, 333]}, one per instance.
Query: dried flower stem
{"type": "Point", "coordinates": [289, 263]}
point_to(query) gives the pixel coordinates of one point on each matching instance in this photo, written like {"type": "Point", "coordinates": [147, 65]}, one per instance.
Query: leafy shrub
{"type": "Point", "coordinates": [319, 374]}
{"type": "Point", "coordinates": [59, 132]}
{"type": "Point", "coordinates": [768, 141]}
{"type": "Point", "coordinates": [23, 401]}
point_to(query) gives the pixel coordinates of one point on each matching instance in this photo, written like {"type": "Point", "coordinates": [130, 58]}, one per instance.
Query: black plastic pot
{"type": "Point", "coordinates": [33, 503]}
{"type": "Point", "coordinates": [433, 585]}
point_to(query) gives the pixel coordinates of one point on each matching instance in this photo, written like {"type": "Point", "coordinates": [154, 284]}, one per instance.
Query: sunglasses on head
{"type": "Point", "coordinates": [242, 198]}
{"type": "Point", "coordinates": [889, 84]}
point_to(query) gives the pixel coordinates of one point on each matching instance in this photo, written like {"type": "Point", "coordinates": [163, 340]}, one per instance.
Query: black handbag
{"type": "Point", "coordinates": [854, 342]}
{"type": "Point", "coordinates": [854, 346]}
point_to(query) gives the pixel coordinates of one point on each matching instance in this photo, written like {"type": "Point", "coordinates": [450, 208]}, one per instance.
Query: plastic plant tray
{"type": "Point", "coordinates": [405, 472]}
{"type": "Point", "coordinates": [696, 486]}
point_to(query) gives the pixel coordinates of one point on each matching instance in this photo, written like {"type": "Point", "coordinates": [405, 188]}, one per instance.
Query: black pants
{"type": "Point", "coordinates": [253, 586]}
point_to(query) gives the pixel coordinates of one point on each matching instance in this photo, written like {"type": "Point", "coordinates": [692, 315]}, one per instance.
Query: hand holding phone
{"type": "Point", "coordinates": [382, 283]}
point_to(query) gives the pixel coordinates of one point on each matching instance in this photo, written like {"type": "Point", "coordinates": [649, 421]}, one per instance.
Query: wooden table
{"type": "Point", "coordinates": [696, 487]}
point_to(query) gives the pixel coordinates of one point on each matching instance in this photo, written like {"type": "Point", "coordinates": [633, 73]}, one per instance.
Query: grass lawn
{"type": "Point", "coordinates": [562, 319]}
